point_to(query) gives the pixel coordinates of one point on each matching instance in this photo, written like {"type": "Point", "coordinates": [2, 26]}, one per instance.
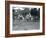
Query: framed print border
{"type": "Point", "coordinates": [7, 18]}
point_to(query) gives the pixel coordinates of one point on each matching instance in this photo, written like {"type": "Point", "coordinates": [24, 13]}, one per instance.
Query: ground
{"type": "Point", "coordinates": [24, 25]}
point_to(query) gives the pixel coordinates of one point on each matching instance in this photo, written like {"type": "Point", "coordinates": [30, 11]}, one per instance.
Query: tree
{"type": "Point", "coordinates": [35, 12]}
{"type": "Point", "coordinates": [25, 12]}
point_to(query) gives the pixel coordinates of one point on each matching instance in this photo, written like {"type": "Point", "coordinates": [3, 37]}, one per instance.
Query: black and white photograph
{"type": "Point", "coordinates": [25, 18]}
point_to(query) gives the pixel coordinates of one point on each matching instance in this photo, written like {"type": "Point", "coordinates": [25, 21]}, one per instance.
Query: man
{"type": "Point", "coordinates": [20, 17]}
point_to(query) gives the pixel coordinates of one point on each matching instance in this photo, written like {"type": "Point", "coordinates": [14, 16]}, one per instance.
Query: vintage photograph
{"type": "Point", "coordinates": [25, 18]}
